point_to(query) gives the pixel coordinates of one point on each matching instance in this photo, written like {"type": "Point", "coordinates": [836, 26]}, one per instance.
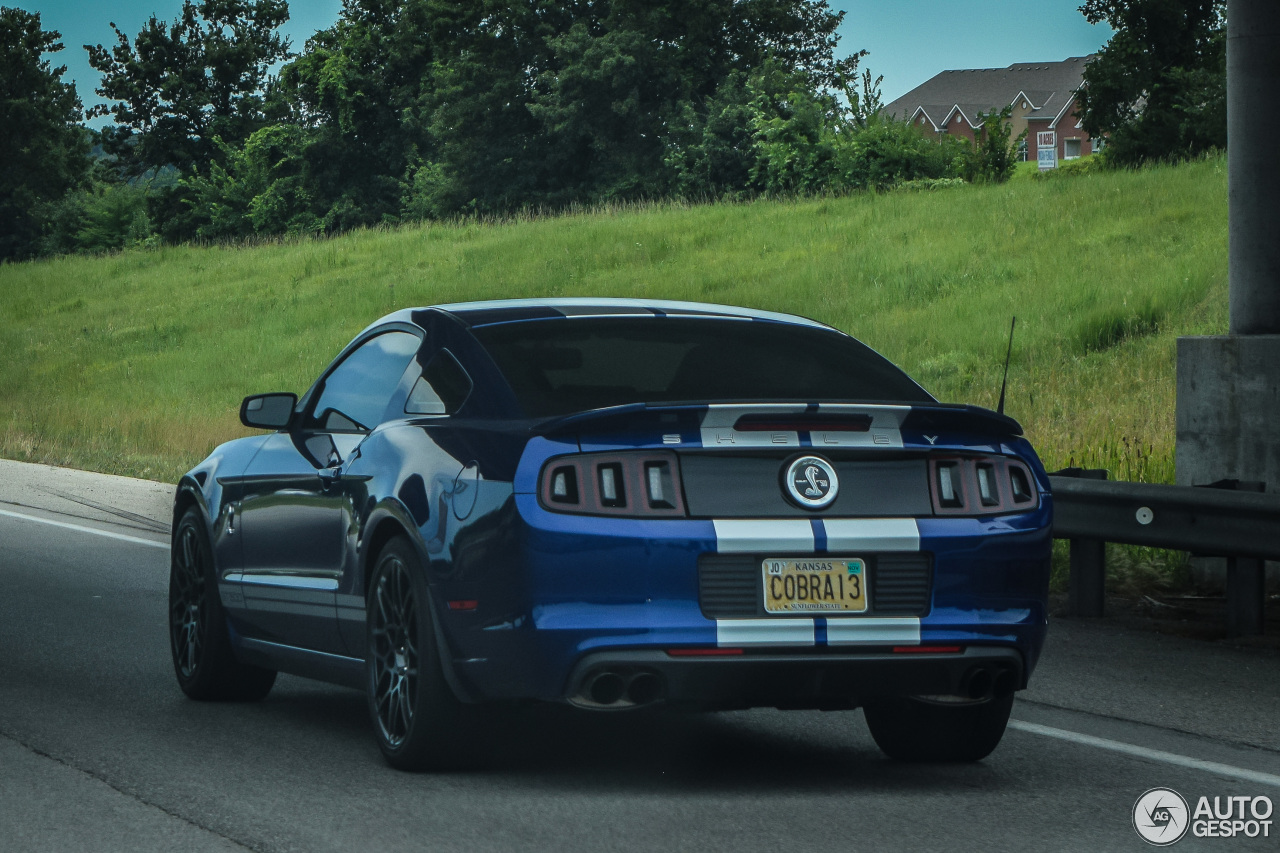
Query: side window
{"type": "Point", "coordinates": [357, 391]}
{"type": "Point", "coordinates": [442, 389]}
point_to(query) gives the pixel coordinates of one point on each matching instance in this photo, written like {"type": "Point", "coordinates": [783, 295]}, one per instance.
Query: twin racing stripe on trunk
{"type": "Point", "coordinates": [884, 429]}
{"type": "Point", "coordinates": [777, 536]}
{"type": "Point", "coordinates": [855, 536]}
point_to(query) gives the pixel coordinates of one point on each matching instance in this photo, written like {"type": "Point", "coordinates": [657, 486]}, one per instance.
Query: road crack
{"type": "Point", "coordinates": [35, 750]}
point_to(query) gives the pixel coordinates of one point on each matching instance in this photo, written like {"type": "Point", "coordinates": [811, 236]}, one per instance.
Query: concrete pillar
{"type": "Point", "coordinates": [1253, 165]}
{"type": "Point", "coordinates": [1228, 411]}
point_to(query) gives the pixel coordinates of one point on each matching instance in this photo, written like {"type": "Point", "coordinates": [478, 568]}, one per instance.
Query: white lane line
{"type": "Point", "coordinates": [1151, 754]}
{"type": "Point", "coordinates": [82, 529]}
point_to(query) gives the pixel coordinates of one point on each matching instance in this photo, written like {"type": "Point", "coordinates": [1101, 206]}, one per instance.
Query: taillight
{"type": "Point", "coordinates": [980, 485]}
{"type": "Point", "coordinates": [643, 484]}
{"type": "Point", "coordinates": [949, 488]}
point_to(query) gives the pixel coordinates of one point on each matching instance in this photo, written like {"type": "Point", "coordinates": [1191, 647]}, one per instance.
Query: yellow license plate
{"type": "Point", "coordinates": [815, 585]}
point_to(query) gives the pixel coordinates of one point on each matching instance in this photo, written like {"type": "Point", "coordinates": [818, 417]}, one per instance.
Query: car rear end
{"type": "Point", "coordinates": [682, 571]}
{"type": "Point", "coordinates": [710, 515]}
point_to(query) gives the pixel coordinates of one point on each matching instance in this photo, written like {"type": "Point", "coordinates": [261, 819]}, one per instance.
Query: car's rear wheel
{"type": "Point", "coordinates": [203, 659]}
{"type": "Point", "coordinates": [416, 717]}
{"type": "Point", "coordinates": [934, 729]}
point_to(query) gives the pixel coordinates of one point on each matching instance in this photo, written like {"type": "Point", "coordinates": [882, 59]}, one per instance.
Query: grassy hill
{"type": "Point", "coordinates": [136, 363]}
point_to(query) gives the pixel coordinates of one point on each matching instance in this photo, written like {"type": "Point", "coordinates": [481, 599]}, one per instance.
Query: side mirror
{"type": "Point", "coordinates": [268, 411]}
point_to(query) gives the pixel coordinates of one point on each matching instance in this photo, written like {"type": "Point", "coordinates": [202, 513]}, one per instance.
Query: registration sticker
{"type": "Point", "coordinates": [815, 585]}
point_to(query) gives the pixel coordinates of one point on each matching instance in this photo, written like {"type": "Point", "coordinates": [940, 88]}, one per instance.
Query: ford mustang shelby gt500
{"type": "Point", "coordinates": [617, 504]}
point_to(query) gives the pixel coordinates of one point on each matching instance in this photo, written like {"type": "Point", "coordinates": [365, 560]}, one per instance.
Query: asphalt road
{"type": "Point", "coordinates": [100, 751]}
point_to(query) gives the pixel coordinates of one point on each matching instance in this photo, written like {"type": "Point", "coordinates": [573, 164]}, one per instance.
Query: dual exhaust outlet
{"type": "Point", "coordinates": [983, 682]}
{"type": "Point", "coordinates": [618, 689]}
{"type": "Point", "coordinates": [624, 688]}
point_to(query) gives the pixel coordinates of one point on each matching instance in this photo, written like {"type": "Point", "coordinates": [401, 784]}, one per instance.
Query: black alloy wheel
{"type": "Point", "coordinates": [203, 659]}
{"type": "Point", "coordinates": [416, 717]}
{"type": "Point", "coordinates": [394, 652]}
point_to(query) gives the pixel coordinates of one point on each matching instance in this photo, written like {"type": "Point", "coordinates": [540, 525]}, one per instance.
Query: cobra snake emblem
{"type": "Point", "coordinates": [811, 474]}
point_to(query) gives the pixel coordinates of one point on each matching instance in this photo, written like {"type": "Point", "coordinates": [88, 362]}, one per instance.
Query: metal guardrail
{"type": "Point", "coordinates": [1229, 519]}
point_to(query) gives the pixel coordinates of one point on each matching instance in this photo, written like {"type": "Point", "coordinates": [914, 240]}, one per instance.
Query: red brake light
{"type": "Point", "coordinates": [803, 423]}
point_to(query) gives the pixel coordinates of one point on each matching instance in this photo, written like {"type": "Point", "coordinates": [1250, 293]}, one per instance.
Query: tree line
{"type": "Point", "coordinates": [424, 109]}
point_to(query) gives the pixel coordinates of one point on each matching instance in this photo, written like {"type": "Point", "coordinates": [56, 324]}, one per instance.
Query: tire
{"type": "Point", "coordinates": [911, 729]}
{"type": "Point", "coordinates": [199, 642]}
{"type": "Point", "coordinates": [418, 721]}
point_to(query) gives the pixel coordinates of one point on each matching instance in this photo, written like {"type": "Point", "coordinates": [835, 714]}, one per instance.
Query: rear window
{"type": "Point", "coordinates": [557, 367]}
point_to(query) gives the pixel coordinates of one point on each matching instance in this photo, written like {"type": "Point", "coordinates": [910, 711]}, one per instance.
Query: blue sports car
{"type": "Point", "coordinates": [617, 504]}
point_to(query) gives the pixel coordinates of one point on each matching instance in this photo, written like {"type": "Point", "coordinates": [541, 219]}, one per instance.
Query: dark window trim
{"type": "Point", "coordinates": [306, 406]}
{"type": "Point", "coordinates": [422, 375]}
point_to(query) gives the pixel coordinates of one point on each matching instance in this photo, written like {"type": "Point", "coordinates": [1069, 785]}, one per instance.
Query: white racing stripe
{"type": "Point", "coordinates": [769, 535]}
{"type": "Point", "coordinates": [764, 632]}
{"type": "Point", "coordinates": [873, 631]}
{"type": "Point", "coordinates": [82, 529]}
{"type": "Point", "coordinates": [1150, 754]}
{"type": "Point", "coordinates": [859, 535]}
{"type": "Point", "coordinates": [776, 535]}
{"type": "Point", "coordinates": [850, 631]}
{"type": "Point", "coordinates": [885, 430]}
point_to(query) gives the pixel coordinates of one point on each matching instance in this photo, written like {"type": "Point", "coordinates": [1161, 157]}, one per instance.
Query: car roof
{"type": "Point", "coordinates": [496, 311]}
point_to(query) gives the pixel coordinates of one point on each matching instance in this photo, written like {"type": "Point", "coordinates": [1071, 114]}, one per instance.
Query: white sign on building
{"type": "Point", "coordinates": [1047, 149]}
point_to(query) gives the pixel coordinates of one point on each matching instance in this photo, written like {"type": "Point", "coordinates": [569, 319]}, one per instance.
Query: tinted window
{"type": "Point", "coordinates": [441, 389]}
{"type": "Point", "coordinates": [357, 391]}
{"type": "Point", "coordinates": [562, 366]}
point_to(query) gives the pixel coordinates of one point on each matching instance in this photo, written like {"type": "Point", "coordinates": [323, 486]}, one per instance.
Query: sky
{"type": "Point", "coordinates": [908, 41]}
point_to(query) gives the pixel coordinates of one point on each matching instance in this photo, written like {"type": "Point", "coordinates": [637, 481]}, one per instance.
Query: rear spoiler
{"type": "Point", "coordinates": [925, 416]}
{"type": "Point", "coordinates": [960, 417]}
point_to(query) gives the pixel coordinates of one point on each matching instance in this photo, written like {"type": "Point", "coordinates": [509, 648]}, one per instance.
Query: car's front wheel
{"type": "Point", "coordinates": [933, 729]}
{"type": "Point", "coordinates": [416, 717]}
{"type": "Point", "coordinates": [203, 659]}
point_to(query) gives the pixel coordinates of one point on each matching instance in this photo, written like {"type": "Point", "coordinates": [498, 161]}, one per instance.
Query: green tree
{"type": "Point", "coordinates": [714, 155]}
{"type": "Point", "coordinates": [43, 149]}
{"type": "Point", "coordinates": [493, 105]}
{"type": "Point", "coordinates": [1158, 88]}
{"type": "Point", "coordinates": [630, 81]}
{"type": "Point", "coordinates": [106, 216]}
{"type": "Point", "coordinates": [866, 105]}
{"type": "Point", "coordinates": [181, 84]}
{"type": "Point", "coordinates": [262, 187]}
{"type": "Point", "coordinates": [796, 133]}
{"type": "Point", "coordinates": [993, 155]}
{"type": "Point", "coordinates": [355, 89]}
{"type": "Point", "coordinates": [884, 152]}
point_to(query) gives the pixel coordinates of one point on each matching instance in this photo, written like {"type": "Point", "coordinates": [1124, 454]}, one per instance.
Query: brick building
{"type": "Point", "coordinates": [1042, 95]}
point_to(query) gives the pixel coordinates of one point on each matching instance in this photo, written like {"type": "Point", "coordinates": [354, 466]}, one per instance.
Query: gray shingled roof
{"type": "Point", "coordinates": [1048, 85]}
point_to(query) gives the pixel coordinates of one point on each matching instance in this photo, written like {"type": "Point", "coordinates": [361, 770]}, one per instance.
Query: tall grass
{"type": "Point", "coordinates": [135, 363]}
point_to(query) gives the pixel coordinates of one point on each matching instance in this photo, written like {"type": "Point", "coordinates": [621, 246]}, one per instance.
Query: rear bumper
{"type": "Point", "coordinates": [580, 590]}
{"type": "Point", "coordinates": [804, 679]}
